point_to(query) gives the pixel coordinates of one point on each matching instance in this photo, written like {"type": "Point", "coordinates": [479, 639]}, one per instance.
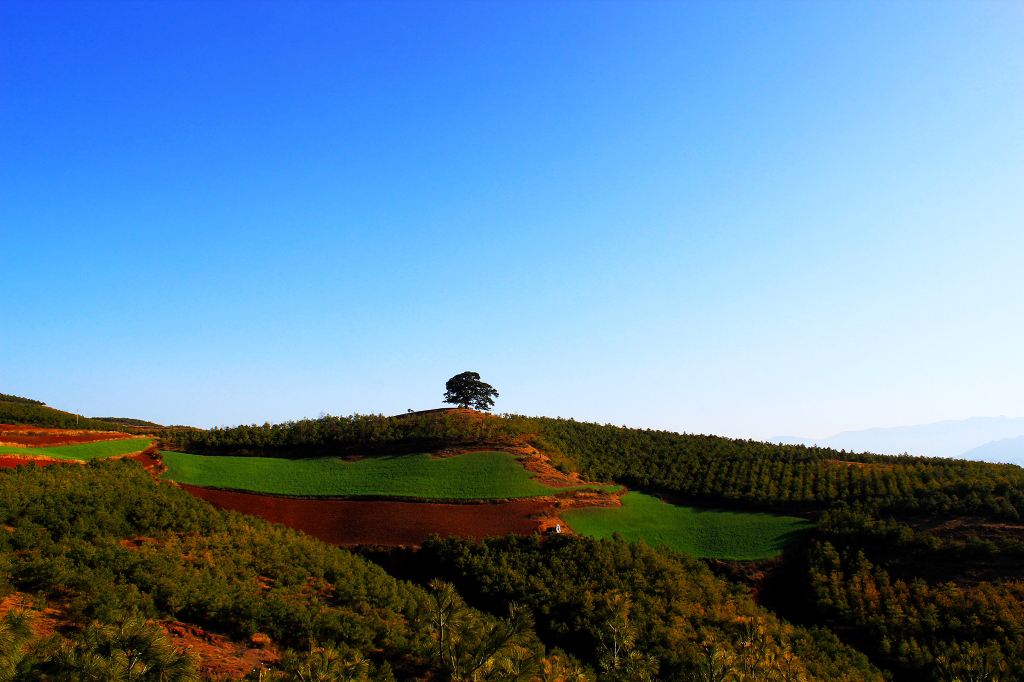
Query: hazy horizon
{"type": "Point", "coordinates": [729, 218]}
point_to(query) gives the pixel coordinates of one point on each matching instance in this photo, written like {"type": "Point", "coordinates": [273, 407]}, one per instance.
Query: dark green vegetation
{"type": "Point", "coordinates": [128, 421]}
{"type": "Point", "coordinates": [789, 477]}
{"type": "Point", "coordinates": [916, 561]}
{"type": "Point", "coordinates": [84, 451]}
{"type": "Point", "coordinates": [66, 539]}
{"type": "Point", "coordinates": [121, 553]}
{"type": "Point", "coordinates": [946, 599]}
{"type": "Point", "coordinates": [357, 434]}
{"type": "Point", "coordinates": [698, 532]}
{"type": "Point", "coordinates": [130, 650]}
{"type": "Point", "coordinates": [7, 398]}
{"type": "Point", "coordinates": [472, 476]}
{"type": "Point", "coordinates": [633, 612]}
{"type": "Point", "coordinates": [16, 410]}
{"type": "Point", "coordinates": [466, 390]}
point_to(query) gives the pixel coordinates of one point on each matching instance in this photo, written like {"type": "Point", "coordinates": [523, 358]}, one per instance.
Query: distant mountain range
{"type": "Point", "coordinates": [991, 439]}
{"type": "Point", "coordinates": [1005, 450]}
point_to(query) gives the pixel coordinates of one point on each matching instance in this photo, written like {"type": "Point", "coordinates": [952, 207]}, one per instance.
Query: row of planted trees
{"type": "Point", "coordinates": [365, 434]}
{"type": "Point", "coordinates": [766, 475]}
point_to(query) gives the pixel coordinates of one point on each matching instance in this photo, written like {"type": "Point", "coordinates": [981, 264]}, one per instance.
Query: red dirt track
{"type": "Point", "coordinates": [355, 522]}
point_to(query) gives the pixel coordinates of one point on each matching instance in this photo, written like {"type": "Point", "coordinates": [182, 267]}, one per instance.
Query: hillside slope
{"type": "Point", "coordinates": [17, 410]}
{"type": "Point", "coordinates": [1009, 450]}
{"type": "Point", "coordinates": [108, 550]}
{"type": "Point", "coordinates": [913, 569]}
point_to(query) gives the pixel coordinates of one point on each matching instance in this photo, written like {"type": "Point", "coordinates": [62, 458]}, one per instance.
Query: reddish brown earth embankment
{"type": "Point", "coordinates": [372, 522]}
{"type": "Point", "coordinates": [150, 460]}
{"type": "Point", "coordinates": [21, 435]}
{"type": "Point", "coordinates": [12, 461]}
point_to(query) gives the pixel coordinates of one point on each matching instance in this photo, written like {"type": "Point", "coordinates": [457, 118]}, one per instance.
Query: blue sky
{"type": "Point", "coordinates": [742, 218]}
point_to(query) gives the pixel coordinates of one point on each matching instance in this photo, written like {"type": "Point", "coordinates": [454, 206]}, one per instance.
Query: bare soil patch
{"type": "Point", "coordinates": [860, 465]}
{"type": "Point", "coordinates": [45, 621]}
{"type": "Point", "coordinates": [150, 460]}
{"type": "Point", "coordinates": [539, 464]}
{"type": "Point", "coordinates": [372, 522]}
{"type": "Point", "coordinates": [13, 461]}
{"type": "Point", "coordinates": [219, 656]}
{"type": "Point", "coordinates": [965, 528]}
{"type": "Point", "coordinates": [465, 411]}
{"type": "Point", "coordinates": [531, 459]}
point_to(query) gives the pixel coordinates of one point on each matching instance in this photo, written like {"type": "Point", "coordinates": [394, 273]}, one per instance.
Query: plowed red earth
{"type": "Point", "coordinates": [12, 461]}
{"type": "Point", "coordinates": [40, 437]}
{"type": "Point", "coordinates": [354, 522]}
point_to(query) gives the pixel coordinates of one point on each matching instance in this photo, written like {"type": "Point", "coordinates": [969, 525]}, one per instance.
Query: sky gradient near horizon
{"type": "Point", "coordinates": [752, 219]}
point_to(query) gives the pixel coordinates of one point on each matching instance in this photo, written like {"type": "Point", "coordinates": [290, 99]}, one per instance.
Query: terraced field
{"type": "Point", "coordinates": [515, 498]}
{"type": "Point", "coordinates": [701, 532]}
{"type": "Point", "coordinates": [81, 451]}
{"type": "Point", "coordinates": [471, 476]}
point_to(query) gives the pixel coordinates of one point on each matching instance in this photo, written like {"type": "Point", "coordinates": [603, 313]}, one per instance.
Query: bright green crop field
{"type": "Point", "coordinates": [700, 532]}
{"type": "Point", "coordinates": [83, 451]}
{"type": "Point", "coordinates": [472, 476]}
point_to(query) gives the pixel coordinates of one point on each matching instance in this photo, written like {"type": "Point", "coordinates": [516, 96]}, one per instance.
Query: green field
{"type": "Point", "coordinates": [472, 476]}
{"type": "Point", "coordinates": [83, 451]}
{"type": "Point", "coordinates": [700, 532]}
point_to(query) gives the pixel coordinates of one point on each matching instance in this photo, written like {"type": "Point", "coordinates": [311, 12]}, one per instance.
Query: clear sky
{"type": "Point", "coordinates": [732, 217]}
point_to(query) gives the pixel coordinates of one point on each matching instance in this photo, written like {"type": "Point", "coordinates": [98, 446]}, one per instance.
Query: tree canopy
{"type": "Point", "coordinates": [466, 390]}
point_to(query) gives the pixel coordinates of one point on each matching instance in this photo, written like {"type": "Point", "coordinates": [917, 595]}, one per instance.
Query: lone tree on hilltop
{"type": "Point", "coordinates": [466, 390]}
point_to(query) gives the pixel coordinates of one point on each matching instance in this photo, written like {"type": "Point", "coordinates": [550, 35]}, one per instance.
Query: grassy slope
{"type": "Point", "coordinates": [473, 476]}
{"type": "Point", "coordinates": [84, 451]}
{"type": "Point", "coordinates": [699, 532]}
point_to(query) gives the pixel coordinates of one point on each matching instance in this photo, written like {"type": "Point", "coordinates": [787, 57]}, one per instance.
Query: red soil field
{"type": "Point", "coordinates": [12, 461]}
{"type": "Point", "coordinates": [354, 522]}
{"type": "Point", "coordinates": [40, 437]}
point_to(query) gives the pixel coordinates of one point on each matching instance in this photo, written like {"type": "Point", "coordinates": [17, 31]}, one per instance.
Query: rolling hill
{"type": "Point", "coordinates": [951, 438]}
{"type": "Point", "coordinates": [18, 410]}
{"type": "Point", "coordinates": [1009, 450]}
{"type": "Point", "coordinates": [737, 556]}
